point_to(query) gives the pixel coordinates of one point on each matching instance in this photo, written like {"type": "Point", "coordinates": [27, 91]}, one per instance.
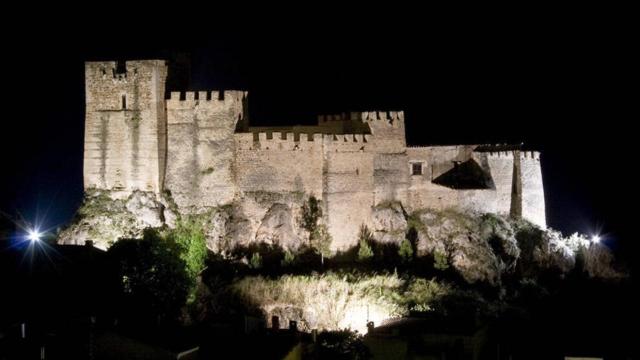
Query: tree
{"type": "Point", "coordinates": [319, 237]}
{"type": "Point", "coordinates": [440, 261]}
{"type": "Point", "coordinates": [311, 212]}
{"type": "Point", "coordinates": [321, 242]}
{"type": "Point", "coordinates": [406, 250]}
{"type": "Point", "coordinates": [153, 278]}
{"type": "Point", "coordinates": [364, 250]}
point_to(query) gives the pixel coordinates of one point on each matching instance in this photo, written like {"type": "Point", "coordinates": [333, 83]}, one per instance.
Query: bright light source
{"type": "Point", "coordinates": [34, 235]}
{"type": "Point", "coordinates": [595, 239]}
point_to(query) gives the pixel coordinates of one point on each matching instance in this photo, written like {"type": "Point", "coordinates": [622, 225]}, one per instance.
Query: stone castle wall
{"type": "Point", "coordinates": [199, 146]}
{"type": "Point", "coordinates": [274, 162]}
{"type": "Point", "coordinates": [125, 125]}
{"type": "Point", "coordinates": [533, 204]}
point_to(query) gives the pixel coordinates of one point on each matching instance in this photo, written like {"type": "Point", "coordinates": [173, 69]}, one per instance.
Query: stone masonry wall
{"type": "Point", "coordinates": [533, 203]}
{"type": "Point", "coordinates": [201, 147]}
{"type": "Point", "coordinates": [271, 163]}
{"type": "Point", "coordinates": [348, 186]}
{"type": "Point", "coordinates": [124, 125]}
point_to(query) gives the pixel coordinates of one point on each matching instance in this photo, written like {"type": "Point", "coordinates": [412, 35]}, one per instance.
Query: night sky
{"type": "Point", "coordinates": [559, 87]}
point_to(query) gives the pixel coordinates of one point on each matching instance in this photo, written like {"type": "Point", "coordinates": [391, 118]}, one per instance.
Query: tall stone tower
{"type": "Point", "coordinates": [201, 147]}
{"type": "Point", "coordinates": [125, 126]}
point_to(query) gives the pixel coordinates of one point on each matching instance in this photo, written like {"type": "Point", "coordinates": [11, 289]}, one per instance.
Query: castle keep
{"type": "Point", "coordinates": [201, 148]}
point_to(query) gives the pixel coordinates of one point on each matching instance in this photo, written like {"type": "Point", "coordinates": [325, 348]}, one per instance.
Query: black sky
{"type": "Point", "coordinates": [559, 86]}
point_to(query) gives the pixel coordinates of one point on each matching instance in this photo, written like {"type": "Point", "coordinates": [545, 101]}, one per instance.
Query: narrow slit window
{"type": "Point", "coordinates": [416, 168]}
{"type": "Point", "coordinates": [124, 101]}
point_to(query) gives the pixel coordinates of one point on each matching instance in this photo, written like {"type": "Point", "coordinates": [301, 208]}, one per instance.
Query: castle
{"type": "Point", "coordinates": [201, 147]}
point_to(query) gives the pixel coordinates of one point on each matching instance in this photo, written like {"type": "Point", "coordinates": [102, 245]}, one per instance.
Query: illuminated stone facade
{"type": "Point", "coordinates": [200, 147]}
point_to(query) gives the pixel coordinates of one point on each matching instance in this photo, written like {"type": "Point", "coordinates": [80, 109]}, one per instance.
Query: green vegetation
{"type": "Point", "coordinates": [288, 260]}
{"type": "Point", "coordinates": [154, 280]}
{"type": "Point", "coordinates": [331, 296]}
{"type": "Point", "coordinates": [440, 261]}
{"type": "Point", "coordinates": [320, 241]}
{"type": "Point", "coordinates": [365, 253]}
{"type": "Point", "coordinates": [319, 237]}
{"type": "Point", "coordinates": [337, 300]}
{"type": "Point", "coordinates": [406, 251]}
{"type": "Point", "coordinates": [422, 294]}
{"type": "Point", "coordinates": [256, 261]}
{"type": "Point", "coordinates": [109, 218]}
{"type": "Point", "coordinates": [311, 212]}
{"type": "Point", "coordinates": [158, 275]}
{"type": "Point", "coordinates": [164, 266]}
{"type": "Point", "coordinates": [189, 237]}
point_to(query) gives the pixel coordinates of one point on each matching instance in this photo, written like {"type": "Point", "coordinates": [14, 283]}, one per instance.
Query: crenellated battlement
{"type": "Point", "coordinates": [497, 151]}
{"type": "Point", "coordinates": [122, 72]}
{"type": "Point", "coordinates": [348, 138]}
{"type": "Point", "coordinates": [200, 146]}
{"type": "Point", "coordinates": [190, 98]}
{"type": "Point", "coordinates": [276, 140]}
{"type": "Point", "coordinates": [391, 117]}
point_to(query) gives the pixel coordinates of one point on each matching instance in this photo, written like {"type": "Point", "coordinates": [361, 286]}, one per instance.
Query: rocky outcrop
{"type": "Point", "coordinates": [389, 222]}
{"type": "Point", "coordinates": [457, 237]}
{"type": "Point", "coordinates": [104, 217]}
{"type": "Point", "coordinates": [277, 228]}
{"type": "Point", "coordinates": [146, 208]}
{"type": "Point", "coordinates": [479, 247]}
{"type": "Point", "coordinates": [482, 248]}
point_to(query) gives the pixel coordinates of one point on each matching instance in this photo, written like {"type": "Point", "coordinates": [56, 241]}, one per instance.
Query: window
{"type": "Point", "coordinates": [416, 168]}
{"type": "Point", "coordinates": [124, 101]}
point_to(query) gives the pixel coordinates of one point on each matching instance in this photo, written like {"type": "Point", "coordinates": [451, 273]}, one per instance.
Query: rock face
{"type": "Point", "coordinates": [389, 222]}
{"type": "Point", "coordinates": [479, 247]}
{"type": "Point", "coordinates": [104, 217]}
{"type": "Point", "coordinates": [146, 208]}
{"type": "Point", "coordinates": [457, 237]}
{"type": "Point", "coordinates": [276, 228]}
{"type": "Point", "coordinates": [482, 248]}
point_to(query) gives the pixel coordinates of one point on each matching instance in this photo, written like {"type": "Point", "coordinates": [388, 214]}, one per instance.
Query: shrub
{"type": "Point", "coordinates": [288, 260]}
{"type": "Point", "coordinates": [364, 251]}
{"type": "Point", "coordinates": [329, 301]}
{"type": "Point", "coordinates": [256, 261]}
{"type": "Point", "coordinates": [421, 294]}
{"type": "Point", "coordinates": [189, 236]}
{"type": "Point", "coordinates": [406, 250]}
{"type": "Point", "coordinates": [440, 261]}
{"type": "Point", "coordinates": [153, 277]}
